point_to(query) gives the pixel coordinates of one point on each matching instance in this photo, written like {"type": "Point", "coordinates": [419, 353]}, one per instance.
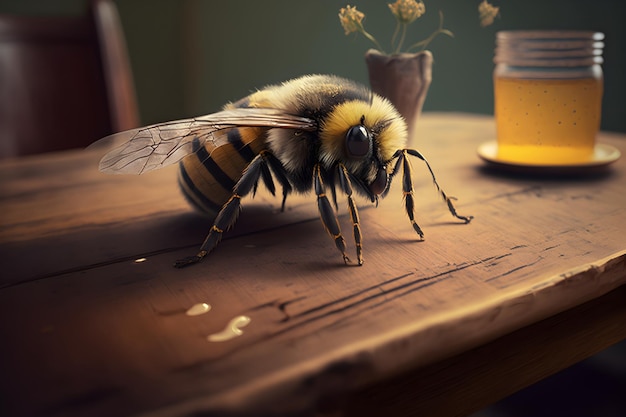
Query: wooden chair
{"type": "Point", "coordinates": [64, 81]}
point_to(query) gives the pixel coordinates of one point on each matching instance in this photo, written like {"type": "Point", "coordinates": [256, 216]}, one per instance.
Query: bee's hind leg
{"type": "Point", "coordinates": [279, 172]}
{"type": "Point", "coordinates": [329, 218]}
{"type": "Point", "coordinates": [227, 216]}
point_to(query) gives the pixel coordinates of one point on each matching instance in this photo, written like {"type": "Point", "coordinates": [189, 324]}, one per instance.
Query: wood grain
{"type": "Point", "coordinates": [88, 331]}
{"type": "Point", "coordinates": [468, 382]}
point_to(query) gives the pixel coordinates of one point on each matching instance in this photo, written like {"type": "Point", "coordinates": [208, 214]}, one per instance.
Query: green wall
{"type": "Point", "coordinates": [189, 57]}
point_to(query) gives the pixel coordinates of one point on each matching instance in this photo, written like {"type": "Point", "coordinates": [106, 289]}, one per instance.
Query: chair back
{"type": "Point", "coordinates": [64, 81]}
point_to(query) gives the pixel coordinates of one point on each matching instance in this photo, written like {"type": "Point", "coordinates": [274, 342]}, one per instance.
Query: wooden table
{"type": "Point", "coordinates": [441, 327]}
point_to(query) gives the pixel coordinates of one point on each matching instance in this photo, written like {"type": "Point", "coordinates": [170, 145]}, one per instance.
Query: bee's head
{"type": "Point", "coordinates": [364, 137]}
{"type": "Point", "coordinates": [360, 145]}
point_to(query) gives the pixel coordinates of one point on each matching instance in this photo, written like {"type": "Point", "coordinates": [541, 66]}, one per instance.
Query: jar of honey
{"type": "Point", "coordinates": [548, 95]}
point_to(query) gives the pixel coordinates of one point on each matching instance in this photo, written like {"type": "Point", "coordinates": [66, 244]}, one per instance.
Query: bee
{"type": "Point", "coordinates": [316, 132]}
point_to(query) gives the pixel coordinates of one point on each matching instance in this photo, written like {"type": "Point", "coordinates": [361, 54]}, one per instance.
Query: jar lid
{"type": "Point", "coordinates": [549, 48]}
{"type": "Point", "coordinates": [549, 34]}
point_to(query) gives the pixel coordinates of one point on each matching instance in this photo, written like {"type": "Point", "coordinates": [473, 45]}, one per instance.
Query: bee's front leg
{"type": "Point", "coordinates": [329, 218]}
{"type": "Point", "coordinates": [346, 185]}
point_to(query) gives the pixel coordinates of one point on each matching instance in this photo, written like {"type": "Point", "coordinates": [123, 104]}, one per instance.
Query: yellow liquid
{"type": "Point", "coordinates": [544, 121]}
{"type": "Point", "coordinates": [232, 330]}
{"type": "Point", "coordinates": [198, 309]}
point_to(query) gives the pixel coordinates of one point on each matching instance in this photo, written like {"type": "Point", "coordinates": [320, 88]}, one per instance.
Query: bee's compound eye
{"type": "Point", "coordinates": [358, 141]}
{"type": "Point", "coordinates": [380, 182]}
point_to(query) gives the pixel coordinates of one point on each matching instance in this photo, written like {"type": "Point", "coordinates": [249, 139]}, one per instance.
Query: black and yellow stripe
{"type": "Point", "coordinates": [207, 176]}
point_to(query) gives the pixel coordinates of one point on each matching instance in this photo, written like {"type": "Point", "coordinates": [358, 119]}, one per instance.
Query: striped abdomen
{"type": "Point", "coordinates": [207, 181]}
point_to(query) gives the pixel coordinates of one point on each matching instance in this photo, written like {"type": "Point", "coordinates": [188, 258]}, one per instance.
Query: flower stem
{"type": "Point", "coordinates": [423, 44]}
{"type": "Point", "coordinates": [371, 38]}
{"type": "Point", "coordinates": [401, 38]}
{"type": "Point", "coordinates": [395, 36]}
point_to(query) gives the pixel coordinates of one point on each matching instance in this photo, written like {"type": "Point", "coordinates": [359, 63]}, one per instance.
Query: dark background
{"type": "Point", "coordinates": [189, 57]}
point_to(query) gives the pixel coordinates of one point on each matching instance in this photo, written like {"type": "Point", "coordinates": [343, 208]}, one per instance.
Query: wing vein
{"type": "Point", "coordinates": [156, 146]}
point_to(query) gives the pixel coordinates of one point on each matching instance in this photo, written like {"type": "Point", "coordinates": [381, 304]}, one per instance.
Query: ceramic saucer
{"type": "Point", "coordinates": [603, 155]}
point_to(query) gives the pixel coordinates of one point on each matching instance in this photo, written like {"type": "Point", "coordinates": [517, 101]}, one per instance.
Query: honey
{"type": "Point", "coordinates": [547, 96]}
{"type": "Point", "coordinates": [547, 120]}
{"type": "Point", "coordinates": [232, 330]}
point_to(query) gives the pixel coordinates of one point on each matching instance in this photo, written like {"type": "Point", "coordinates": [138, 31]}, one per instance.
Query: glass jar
{"type": "Point", "coordinates": [548, 95]}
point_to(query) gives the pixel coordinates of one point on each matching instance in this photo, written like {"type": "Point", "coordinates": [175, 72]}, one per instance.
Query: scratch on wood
{"type": "Point", "coordinates": [510, 271]}
{"type": "Point", "coordinates": [351, 296]}
{"type": "Point", "coordinates": [350, 302]}
{"type": "Point", "coordinates": [493, 259]}
{"type": "Point", "coordinates": [582, 196]}
{"type": "Point", "coordinates": [87, 267]}
{"type": "Point", "coordinates": [280, 305]}
{"type": "Point", "coordinates": [283, 307]}
{"type": "Point", "coordinates": [396, 292]}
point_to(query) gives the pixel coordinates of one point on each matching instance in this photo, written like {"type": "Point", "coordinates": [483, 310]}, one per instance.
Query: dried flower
{"type": "Point", "coordinates": [351, 19]}
{"type": "Point", "coordinates": [407, 11]}
{"type": "Point", "coordinates": [487, 13]}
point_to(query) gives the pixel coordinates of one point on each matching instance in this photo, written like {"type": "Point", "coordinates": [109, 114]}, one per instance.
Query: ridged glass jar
{"type": "Point", "coordinates": [548, 89]}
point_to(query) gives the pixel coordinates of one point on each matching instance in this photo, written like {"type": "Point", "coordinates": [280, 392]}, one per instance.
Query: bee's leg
{"type": "Point", "coordinates": [329, 218]}
{"type": "Point", "coordinates": [346, 185]}
{"type": "Point", "coordinates": [395, 171]}
{"type": "Point", "coordinates": [448, 200]}
{"type": "Point", "coordinates": [407, 191]}
{"type": "Point", "coordinates": [279, 172]}
{"type": "Point", "coordinates": [227, 216]}
{"type": "Point", "coordinates": [330, 181]}
{"type": "Point", "coordinates": [266, 176]}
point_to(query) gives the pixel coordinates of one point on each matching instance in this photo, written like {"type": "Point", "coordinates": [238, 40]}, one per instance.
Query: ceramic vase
{"type": "Point", "coordinates": [403, 79]}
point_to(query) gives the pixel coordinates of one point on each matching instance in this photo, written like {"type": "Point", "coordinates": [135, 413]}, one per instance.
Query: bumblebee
{"type": "Point", "coordinates": [315, 132]}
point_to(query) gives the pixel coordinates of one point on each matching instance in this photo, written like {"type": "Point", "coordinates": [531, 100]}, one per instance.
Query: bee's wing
{"type": "Point", "coordinates": [154, 147]}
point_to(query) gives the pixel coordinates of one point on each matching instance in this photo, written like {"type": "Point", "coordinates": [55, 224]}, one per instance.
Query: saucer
{"type": "Point", "coordinates": [603, 155]}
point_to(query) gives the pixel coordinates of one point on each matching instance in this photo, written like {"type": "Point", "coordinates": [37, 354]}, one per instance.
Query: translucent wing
{"type": "Point", "coordinates": [154, 147]}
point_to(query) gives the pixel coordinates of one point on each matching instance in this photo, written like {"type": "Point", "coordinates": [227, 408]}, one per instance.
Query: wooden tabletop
{"type": "Point", "coordinates": [95, 321]}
